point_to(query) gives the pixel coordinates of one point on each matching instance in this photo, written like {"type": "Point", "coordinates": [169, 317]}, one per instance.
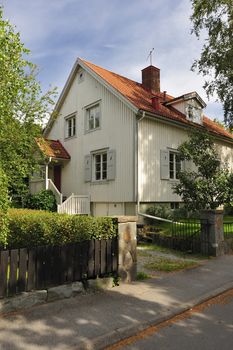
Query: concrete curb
{"type": "Point", "coordinates": [101, 342]}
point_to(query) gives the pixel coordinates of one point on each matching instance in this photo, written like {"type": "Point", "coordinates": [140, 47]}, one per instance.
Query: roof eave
{"type": "Point", "coordinates": [186, 126]}
{"type": "Point", "coordinates": [80, 63]}
{"type": "Point", "coordinates": [108, 86]}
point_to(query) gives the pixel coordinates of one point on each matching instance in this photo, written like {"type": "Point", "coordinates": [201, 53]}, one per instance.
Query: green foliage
{"type": "Point", "coordinates": [141, 276]}
{"type": "Point", "coordinates": [228, 209]}
{"type": "Point", "coordinates": [4, 204]}
{"type": "Point", "coordinates": [183, 213]}
{"type": "Point", "coordinates": [31, 228]}
{"type": "Point", "coordinates": [210, 184]}
{"type": "Point", "coordinates": [23, 108]}
{"type": "Point", "coordinates": [43, 200]}
{"type": "Point", "coordinates": [168, 265]}
{"type": "Point", "coordinates": [214, 19]}
{"type": "Point", "coordinates": [160, 211]}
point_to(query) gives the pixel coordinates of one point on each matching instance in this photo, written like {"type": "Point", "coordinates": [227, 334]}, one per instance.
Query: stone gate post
{"type": "Point", "coordinates": [127, 236]}
{"type": "Point", "coordinates": [212, 235]}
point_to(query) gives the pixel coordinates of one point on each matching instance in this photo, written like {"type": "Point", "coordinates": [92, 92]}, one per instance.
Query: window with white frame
{"type": "Point", "coordinates": [174, 165]}
{"type": "Point", "coordinates": [38, 173]}
{"type": "Point", "coordinates": [100, 166]}
{"type": "Point", "coordinates": [70, 126]}
{"type": "Point", "coordinates": [93, 117]}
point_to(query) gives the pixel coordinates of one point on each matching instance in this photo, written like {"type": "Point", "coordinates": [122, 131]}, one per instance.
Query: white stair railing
{"type": "Point", "coordinates": [75, 204]}
{"type": "Point", "coordinates": [51, 186]}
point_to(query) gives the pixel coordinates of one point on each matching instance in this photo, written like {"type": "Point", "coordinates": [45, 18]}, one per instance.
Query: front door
{"type": "Point", "coordinates": [57, 176]}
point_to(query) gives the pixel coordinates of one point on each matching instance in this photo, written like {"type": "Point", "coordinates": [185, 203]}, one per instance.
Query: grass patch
{"type": "Point", "coordinates": [168, 265]}
{"type": "Point", "coordinates": [154, 247]}
{"type": "Point", "coordinates": [142, 276]}
{"type": "Point", "coordinates": [143, 253]}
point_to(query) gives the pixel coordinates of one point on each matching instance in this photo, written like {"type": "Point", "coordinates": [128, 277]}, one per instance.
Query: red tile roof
{"type": "Point", "coordinates": [52, 148]}
{"type": "Point", "coordinates": [141, 99]}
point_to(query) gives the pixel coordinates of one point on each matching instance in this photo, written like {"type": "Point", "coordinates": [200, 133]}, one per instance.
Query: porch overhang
{"type": "Point", "coordinates": [53, 150]}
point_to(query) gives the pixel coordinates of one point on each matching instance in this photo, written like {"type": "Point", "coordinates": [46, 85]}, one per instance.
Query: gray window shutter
{"type": "Point", "coordinates": [164, 164]}
{"type": "Point", "coordinates": [87, 168]}
{"type": "Point", "coordinates": [111, 165]}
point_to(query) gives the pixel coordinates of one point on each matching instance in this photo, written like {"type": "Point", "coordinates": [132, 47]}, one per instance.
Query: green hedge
{"type": "Point", "coordinates": [31, 228]}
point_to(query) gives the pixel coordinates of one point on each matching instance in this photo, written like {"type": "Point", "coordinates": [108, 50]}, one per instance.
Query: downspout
{"type": "Point", "coordinates": [137, 191]}
{"type": "Point", "coordinates": [47, 173]}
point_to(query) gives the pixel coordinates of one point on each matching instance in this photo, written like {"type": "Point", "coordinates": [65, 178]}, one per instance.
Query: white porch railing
{"type": "Point", "coordinates": [50, 186]}
{"type": "Point", "coordinates": [75, 204]}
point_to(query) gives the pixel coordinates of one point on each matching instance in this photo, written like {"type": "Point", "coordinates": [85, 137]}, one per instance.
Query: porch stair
{"type": "Point", "coordinates": [75, 204]}
{"type": "Point", "coordinates": [58, 195]}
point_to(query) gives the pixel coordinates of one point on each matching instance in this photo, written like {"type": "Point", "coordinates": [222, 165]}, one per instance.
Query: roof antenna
{"type": "Point", "coordinates": [150, 56]}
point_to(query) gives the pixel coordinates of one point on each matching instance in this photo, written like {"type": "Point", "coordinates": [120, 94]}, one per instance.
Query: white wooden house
{"type": "Point", "coordinates": [112, 142]}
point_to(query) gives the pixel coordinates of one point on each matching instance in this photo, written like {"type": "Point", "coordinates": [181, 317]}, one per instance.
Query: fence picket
{"type": "Point", "coordinates": [91, 256]}
{"type": "Point", "coordinates": [14, 254]}
{"type": "Point", "coordinates": [56, 266]}
{"type": "Point", "coordinates": [97, 257]}
{"type": "Point", "coordinates": [69, 262]}
{"type": "Point", "coordinates": [77, 262]}
{"type": "Point", "coordinates": [22, 282]}
{"type": "Point", "coordinates": [109, 255]}
{"type": "Point", "coordinates": [31, 269]}
{"type": "Point", "coordinates": [84, 255]}
{"type": "Point", "coordinates": [3, 272]}
{"type": "Point", "coordinates": [114, 254]}
{"type": "Point", "coordinates": [103, 257]}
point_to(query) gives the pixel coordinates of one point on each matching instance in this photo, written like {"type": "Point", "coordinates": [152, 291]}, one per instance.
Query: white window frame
{"type": "Point", "coordinates": [96, 125]}
{"type": "Point", "coordinates": [38, 174]}
{"type": "Point", "coordinates": [174, 169]}
{"type": "Point", "coordinates": [70, 126]}
{"type": "Point", "coordinates": [102, 166]}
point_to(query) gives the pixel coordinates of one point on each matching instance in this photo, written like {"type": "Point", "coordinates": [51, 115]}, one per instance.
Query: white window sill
{"type": "Point", "coordinates": [99, 182]}
{"type": "Point", "coordinates": [91, 130]}
{"type": "Point", "coordinates": [70, 137]}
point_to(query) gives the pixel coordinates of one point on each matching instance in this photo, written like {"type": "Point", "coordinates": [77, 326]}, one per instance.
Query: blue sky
{"type": "Point", "coordinates": [115, 34]}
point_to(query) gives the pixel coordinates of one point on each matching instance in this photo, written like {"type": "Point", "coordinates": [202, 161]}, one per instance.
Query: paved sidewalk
{"type": "Point", "coordinates": [93, 321]}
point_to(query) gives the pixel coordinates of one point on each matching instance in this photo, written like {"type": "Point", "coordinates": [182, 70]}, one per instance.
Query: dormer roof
{"type": "Point", "coordinates": [186, 97]}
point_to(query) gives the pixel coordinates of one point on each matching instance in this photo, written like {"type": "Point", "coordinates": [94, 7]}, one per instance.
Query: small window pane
{"type": "Point", "coordinates": [100, 166]}
{"type": "Point", "coordinates": [71, 127]}
{"type": "Point", "coordinates": [93, 115]}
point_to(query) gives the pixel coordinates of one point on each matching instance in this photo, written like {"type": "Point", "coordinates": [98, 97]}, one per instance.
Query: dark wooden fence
{"type": "Point", "coordinates": [29, 269]}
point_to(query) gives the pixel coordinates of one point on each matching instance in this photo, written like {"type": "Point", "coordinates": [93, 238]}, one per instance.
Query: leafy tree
{"type": "Point", "coordinates": [4, 204]}
{"type": "Point", "coordinates": [23, 108]}
{"type": "Point", "coordinates": [209, 184]}
{"type": "Point", "coordinates": [214, 18]}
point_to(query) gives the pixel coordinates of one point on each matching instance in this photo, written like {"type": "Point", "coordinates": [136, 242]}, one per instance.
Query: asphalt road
{"type": "Point", "coordinates": [206, 327]}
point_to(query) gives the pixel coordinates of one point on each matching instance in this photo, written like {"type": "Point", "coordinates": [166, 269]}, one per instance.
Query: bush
{"type": "Point", "coordinates": [43, 200]}
{"type": "Point", "coordinates": [31, 228]}
{"type": "Point", "coordinates": [160, 211]}
{"type": "Point", "coordinates": [228, 209]}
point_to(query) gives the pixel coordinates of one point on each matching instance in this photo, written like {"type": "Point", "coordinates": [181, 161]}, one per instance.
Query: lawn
{"type": "Point", "coordinates": [153, 260]}
{"type": "Point", "coordinates": [188, 227]}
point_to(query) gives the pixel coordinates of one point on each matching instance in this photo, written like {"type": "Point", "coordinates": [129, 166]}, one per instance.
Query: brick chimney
{"type": "Point", "coordinates": [151, 78]}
